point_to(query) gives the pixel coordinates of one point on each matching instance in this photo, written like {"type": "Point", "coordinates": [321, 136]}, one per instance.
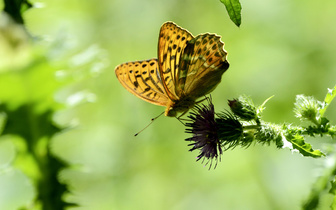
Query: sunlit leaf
{"type": "Point", "coordinates": [329, 97]}
{"type": "Point", "coordinates": [304, 148]}
{"type": "Point", "coordinates": [233, 8]}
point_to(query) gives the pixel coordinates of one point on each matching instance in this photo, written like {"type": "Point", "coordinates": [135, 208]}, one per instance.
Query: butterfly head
{"type": "Point", "coordinates": [171, 112]}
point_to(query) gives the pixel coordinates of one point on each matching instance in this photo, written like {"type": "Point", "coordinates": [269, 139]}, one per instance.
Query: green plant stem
{"type": "Point", "coordinates": [251, 127]}
{"type": "Point", "coordinates": [315, 122]}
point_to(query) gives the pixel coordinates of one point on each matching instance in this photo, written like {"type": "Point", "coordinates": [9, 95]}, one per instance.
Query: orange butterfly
{"type": "Point", "coordinates": [187, 68]}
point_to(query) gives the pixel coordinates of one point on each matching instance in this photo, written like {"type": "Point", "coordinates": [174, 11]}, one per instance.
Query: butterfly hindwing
{"type": "Point", "coordinates": [172, 41]}
{"type": "Point", "coordinates": [187, 68]}
{"type": "Point", "coordinates": [202, 65]}
{"type": "Point", "coordinates": [142, 78]}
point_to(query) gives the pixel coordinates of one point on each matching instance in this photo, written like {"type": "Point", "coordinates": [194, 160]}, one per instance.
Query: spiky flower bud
{"type": "Point", "coordinates": [230, 130]}
{"type": "Point", "coordinates": [307, 108]}
{"type": "Point", "coordinates": [243, 108]}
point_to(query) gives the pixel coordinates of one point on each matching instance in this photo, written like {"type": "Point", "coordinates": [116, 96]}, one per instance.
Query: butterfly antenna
{"type": "Point", "coordinates": [152, 120]}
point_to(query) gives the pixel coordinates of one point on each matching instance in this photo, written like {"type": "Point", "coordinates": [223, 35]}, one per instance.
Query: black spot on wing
{"type": "Point", "coordinates": [146, 89]}
{"type": "Point", "coordinates": [164, 57]}
{"type": "Point", "coordinates": [167, 71]}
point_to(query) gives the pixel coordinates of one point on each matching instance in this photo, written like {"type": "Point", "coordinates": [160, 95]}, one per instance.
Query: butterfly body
{"type": "Point", "coordinates": [181, 105]}
{"type": "Point", "coordinates": [187, 68]}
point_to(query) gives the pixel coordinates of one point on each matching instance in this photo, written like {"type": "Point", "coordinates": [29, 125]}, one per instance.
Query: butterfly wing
{"type": "Point", "coordinates": [202, 64]}
{"type": "Point", "coordinates": [142, 78]}
{"type": "Point", "coordinates": [172, 41]}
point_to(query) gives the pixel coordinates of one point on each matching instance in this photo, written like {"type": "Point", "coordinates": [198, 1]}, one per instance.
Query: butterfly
{"type": "Point", "coordinates": [186, 69]}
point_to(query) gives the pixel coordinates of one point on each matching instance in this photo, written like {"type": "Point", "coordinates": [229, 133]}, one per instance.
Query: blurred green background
{"type": "Point", "coordinates": [283, 48]}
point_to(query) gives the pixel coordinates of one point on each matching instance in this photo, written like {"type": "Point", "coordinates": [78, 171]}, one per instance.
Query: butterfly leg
{"type": "Point", "coordinates": [205, 98]}
{"type": "Point", "coordinates": [179, 118]}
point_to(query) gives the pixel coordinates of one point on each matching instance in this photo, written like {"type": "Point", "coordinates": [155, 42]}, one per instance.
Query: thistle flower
{"type": "Point", "coordinates": [211, 133]}
{"type": "Point", "coordinates": [205, 133]}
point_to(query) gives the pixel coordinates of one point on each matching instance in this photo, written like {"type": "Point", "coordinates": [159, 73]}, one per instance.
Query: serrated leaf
{"type": "Point", "coordinates": [329, 97]}
{"type": "Point", "coordinates": [233, 7]}
{"type": "Point", "coordinates": [27, 105]}
{"type": "Point", "coordinates": [304, 148]}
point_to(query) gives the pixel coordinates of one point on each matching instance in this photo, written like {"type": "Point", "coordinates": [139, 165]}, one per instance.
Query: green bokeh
{"type": "Point", "coordinates": [282, 48]}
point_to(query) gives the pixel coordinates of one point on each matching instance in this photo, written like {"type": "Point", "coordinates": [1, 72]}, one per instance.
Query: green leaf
{"type": "Point", "coordinates": [304, 148]}
{"type": "Point", "coordinates": [329, 97]}
{"type": "Point", "coordinates": [233, 8]}
{"type": "Point", "coordinates": [333, 191]}
{"type": "Point", "coordinates": [333, 187]}
{"type": "Point", "coordinates": [321, 185]}
{"type": "Point", "coordinates": [3, 118]}
{"type": "Point", "coordinates": [27, 106]}
{"type": "Point", "coordinates": [16, 8]}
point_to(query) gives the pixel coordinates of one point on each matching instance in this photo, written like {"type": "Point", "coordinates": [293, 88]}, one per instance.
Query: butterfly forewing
{"type": "Point", "coordinates": [172, 41]}
{"type": "Point", "coordinates": [202, 65]}
{"type": "Point", "coordinates": [142, 78]}
{"type": "Point", "coordinates": [187, 68]}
